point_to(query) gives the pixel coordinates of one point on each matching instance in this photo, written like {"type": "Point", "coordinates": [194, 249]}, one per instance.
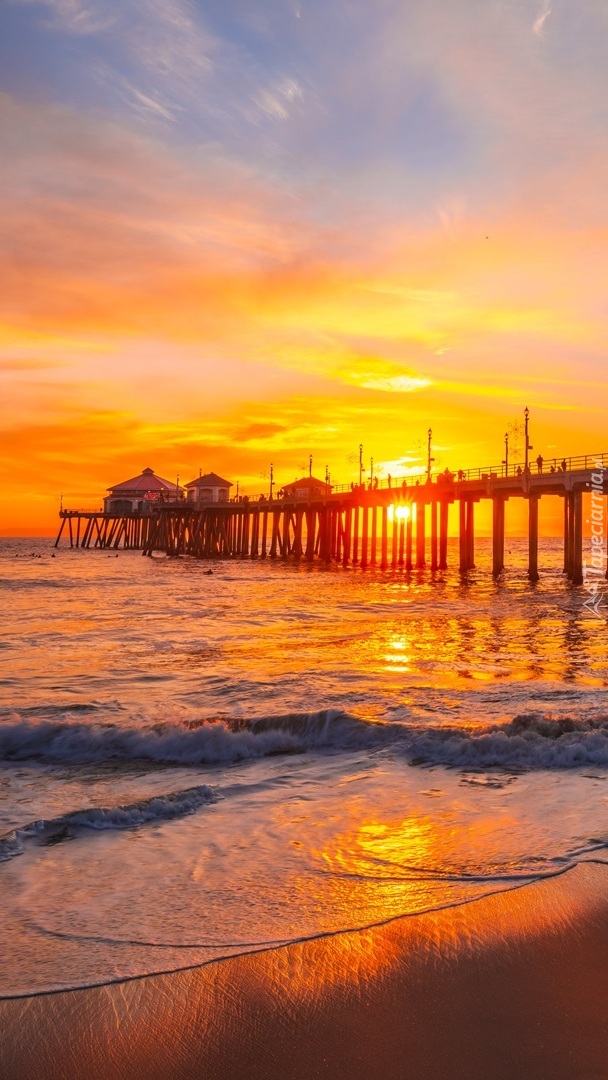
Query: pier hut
{"type": "Point", "coordinates": [208, 488]}
{"type": "Point", "coordinates": [135, 495]}
{"type": "Point", "coordinates": [307, 488]}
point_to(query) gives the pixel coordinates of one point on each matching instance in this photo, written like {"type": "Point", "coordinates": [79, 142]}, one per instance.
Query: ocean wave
{"type": "Point", "coordinates": [530, 741]}
{"type": "Point", "coordinates": [190, 743]}
{"type": "Point", "coordinates": [67, 826]}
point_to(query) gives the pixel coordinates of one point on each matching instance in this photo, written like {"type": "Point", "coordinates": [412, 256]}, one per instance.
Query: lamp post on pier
{"type": "Point", "coordinates": [527, 440]}
{"type": "Point", "coordinates": [271, 480]}
{"type": "Point", "coordinates": [310, 465]}
{"type": "Point", "coordinates": [360, 464]}
{"type": "Point", "coordinates": [506, 460]}
{"type": "Point", "coordinates": [429, 459]}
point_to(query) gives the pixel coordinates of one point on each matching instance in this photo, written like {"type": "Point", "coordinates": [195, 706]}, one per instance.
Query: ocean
{"type": "Point", "coordinates": [199, 760]}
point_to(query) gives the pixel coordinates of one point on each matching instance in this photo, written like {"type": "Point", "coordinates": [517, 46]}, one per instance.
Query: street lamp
{"type": "Point", "coordinates": [327, 474]}
{"type": "Point", "coordinates": [271, 480]}
{"type": "Point", "coordinates": [371, 472]}
{"type": "Point", "coordinates": [360, 464]}
{"type": "Point", "coordinates": [527, 440]}
{"type": "Point", "coordinates": [506, 461]}
{"type": "Point", "coordinates": [310, 465]}
{"type": "Point", "coordinates": [429, 459]}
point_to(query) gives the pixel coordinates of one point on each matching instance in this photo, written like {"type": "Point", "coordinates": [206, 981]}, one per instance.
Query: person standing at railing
{"type": "Point", "coordinates": [564, 466]}
{"type": "Point", "coordinates": [539, 463]}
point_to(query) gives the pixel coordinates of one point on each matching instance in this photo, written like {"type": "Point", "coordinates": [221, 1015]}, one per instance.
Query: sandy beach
{"type": "Point", "coordinates": [513, 985]}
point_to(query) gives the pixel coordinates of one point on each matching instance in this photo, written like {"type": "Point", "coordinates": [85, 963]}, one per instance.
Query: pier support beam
{"type": "Point", "coordinates": [374, 534]}
{"type": "Point", "coordinates": [420, 537]}
{"type": "Point", "coordinates": [467, 534]}
{"type": "Point", "coordinates": [498, 535]}
{"type": "Point", "coordinates": [444, 509]}
{"type": "Point", "coordinates": [408, 542]}
{"type": "Point", "coordinates": [347, 537]}
{"type": "Point", "coordinates": [471, 535]}
{"type": "Point", "coordinates": [434, 559]}
{"type": "Point", "coordinates": [570, 535]}
{"type": "Point", "coordinates": [462, 535]}
{"type": "Point", "coordinates": [62, 527]}
{"type": "Point", "coordinates": [384, 559]}
{"type": "Point", "coordinates": [577, 553]}
{"type": "Point", "coordinates": [364, 538]}
{"type": "Point", "coordinates": [533, 537]}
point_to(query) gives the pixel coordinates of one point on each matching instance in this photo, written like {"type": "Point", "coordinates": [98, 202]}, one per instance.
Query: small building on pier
{"type": "Point", "coordinates": [209, 488]}
{"type": "Point", "coordinates": [139, 493]}
{"type": "Point", "coordinates": [306, 488]}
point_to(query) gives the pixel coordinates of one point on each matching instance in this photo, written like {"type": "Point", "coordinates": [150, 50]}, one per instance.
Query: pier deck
{"type": "Point", "coordinates": [385, 526]}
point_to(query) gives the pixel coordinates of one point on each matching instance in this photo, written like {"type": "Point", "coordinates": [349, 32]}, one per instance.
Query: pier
{"type": "Point", "coordinates": [401, 525]}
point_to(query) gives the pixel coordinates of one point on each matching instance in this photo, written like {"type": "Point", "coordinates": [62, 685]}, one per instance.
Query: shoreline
{"type": "Point", "coordinates": [510, 985]}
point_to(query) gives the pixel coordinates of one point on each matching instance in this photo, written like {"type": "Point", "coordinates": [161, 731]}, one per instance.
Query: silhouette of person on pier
{"type": "Point", "coordinates": [564, 466]}
{"type": "Point", "coordinates": [539, 463]}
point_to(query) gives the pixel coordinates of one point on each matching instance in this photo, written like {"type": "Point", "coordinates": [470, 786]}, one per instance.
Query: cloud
{"type": "Point", "coordinates": [77, 17]}
{"type": "Point", "coordinates": [538, 27]}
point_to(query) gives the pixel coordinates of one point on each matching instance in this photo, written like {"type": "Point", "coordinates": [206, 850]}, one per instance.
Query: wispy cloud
{"type": "Point", "coordinates": [77, 16]}
{"type": "Point", "coordinates": [538, 27]}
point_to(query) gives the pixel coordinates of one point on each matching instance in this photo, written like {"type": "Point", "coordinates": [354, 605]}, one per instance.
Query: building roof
{"type": "Point", "coordinates": [146, 481]}
{"type": "Point", "coordinates": [307, 481]}
{"type": "Point", "coordinates": [210, 479]}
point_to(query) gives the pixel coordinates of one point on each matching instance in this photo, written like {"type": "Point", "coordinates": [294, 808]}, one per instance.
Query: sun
{"type": "Point", "coordinates": [401, 513]}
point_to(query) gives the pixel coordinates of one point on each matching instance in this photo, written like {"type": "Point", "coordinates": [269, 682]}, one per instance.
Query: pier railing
{"type": "Point", "coordinates": [573, 463]}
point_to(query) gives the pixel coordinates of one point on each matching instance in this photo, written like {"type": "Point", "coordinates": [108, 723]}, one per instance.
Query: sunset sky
{"type": "Point", "coordinates": [236, 233]}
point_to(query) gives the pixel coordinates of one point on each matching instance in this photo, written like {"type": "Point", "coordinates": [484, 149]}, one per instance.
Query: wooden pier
{"type": "Point", "coordinates": [94, 529]}
{"type": "Point", "coordinates": [384, 527]}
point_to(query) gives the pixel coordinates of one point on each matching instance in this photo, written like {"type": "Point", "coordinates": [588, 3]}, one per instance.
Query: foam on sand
{"type": "Point", "coordinates": [66, 826]}
{"type": "Point", "coordinates": [510, 986]}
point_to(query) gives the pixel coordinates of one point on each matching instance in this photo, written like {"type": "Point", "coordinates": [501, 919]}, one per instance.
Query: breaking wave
{"type": "Point", "coordinates": [67, 826]}
{"type": "Point", "coordinates": [530, 741]}
{"type": "Point", "coordinates": [186, 743]}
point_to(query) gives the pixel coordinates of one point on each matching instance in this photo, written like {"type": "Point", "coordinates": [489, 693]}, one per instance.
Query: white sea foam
{"type": "Point", "coordinates": [531, 741]}
{"type": "Point", "coordinates": [183, 743]}
{"type": "Point", "coordinates": [159, 808]}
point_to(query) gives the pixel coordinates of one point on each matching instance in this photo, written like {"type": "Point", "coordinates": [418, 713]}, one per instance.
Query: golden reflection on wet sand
{"type": "Point", "coordinates": [511, 986]}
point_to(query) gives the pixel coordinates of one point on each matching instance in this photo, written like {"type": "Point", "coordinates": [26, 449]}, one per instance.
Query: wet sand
{"type": "Point", "coordinates": [511, 986]}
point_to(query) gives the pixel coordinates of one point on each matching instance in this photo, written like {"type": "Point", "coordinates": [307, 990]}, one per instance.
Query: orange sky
{"type": "Point", "coordinates": [229, 242]}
